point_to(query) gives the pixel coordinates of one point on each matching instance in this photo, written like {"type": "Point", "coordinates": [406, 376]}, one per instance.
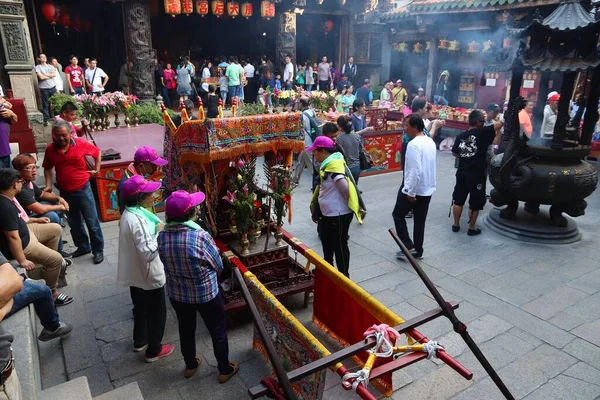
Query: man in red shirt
{"type": "Point", "coordinates": [67, 155]}
{"type": "Point", "coordinates": [75, 77]}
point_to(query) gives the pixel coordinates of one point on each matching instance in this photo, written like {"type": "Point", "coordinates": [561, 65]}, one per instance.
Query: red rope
{"type": "Point", "coordinates": [275, 391]}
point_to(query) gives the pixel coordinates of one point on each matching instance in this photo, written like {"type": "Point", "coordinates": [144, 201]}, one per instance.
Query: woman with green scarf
{"type": "Point", "coordinates": [334, 204]}
{"type": "Point", "coordinates": [140, 267]}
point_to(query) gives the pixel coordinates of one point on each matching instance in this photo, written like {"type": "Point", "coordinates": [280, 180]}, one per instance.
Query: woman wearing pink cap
{"type": "Point", "coordinates": [140, 268]}
{"type": "Point", "coordinates": [192, 265]}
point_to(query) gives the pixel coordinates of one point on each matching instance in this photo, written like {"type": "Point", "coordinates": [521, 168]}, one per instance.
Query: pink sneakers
{"type": "Point", "coordinates": [166, 350]}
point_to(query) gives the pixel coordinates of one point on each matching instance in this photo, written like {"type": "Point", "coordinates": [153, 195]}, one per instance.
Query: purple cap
{"type": "Point", "coordinates": [148, 154]}
{"type": "Point", "coordinates": [180, 202]}
{"type": "Point", "coordinates": [322, 142]}
{"type": "Point", "coordinates": [136, 185]}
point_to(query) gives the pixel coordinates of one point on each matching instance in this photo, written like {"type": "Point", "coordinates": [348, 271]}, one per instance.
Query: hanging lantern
{"type": "Point", "coordinates": [444, 44]}
{"type": "Point", "coordinates": [173, 7]}
{"type": "Point", "coordinates": [49, 12]}
{"type": "Point", "coordinates": [327, 26]}
{"type": "Point", "coordinates": [233, 9]}
{"type": "Point", "coordinates": [187, 7]}
{"type": "Point", "coordinates": [267, 9]}
{"type": "Point", "coordinates": [427, 45]}
{"type": "Point", "coordinates": [65, 20]}
{"type": "Point", "coordinates": [473, 47]}
{"type": "Point", "coordinates": [417, 48]}
{"type": "Point", "coordinates": [202, 7]}
{"type": "Point", "coordinates": [506, 43]}
{"type": "Point", "coordinates": [403, 47]}
{"type": "Point", "coordinates": [488, 46]}
{"type": "Point", "coordinates": [454, 45]}
{"type": "Point", "coordinates": [247, 10]}
{"type": "Point", "coordinates": [218, 7]}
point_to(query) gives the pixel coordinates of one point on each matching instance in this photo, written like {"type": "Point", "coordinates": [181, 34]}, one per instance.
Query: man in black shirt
{"type": "Point", "coordinates": [29, 243]}
{"type": "Point", "coordinates": [471, 148]}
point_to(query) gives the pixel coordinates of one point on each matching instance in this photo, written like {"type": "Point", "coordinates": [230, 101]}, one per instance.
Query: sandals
{"type": "Point", "coordinates": [236, 367]}
{"type": "Point", "coordinates": [473, 232]}
{"type": "Point", "coordinates": [455, 228]}
{"type": "Point", "coordinates": [62, 300]}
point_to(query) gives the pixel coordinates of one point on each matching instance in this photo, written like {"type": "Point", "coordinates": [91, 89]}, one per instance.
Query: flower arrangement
{"type": "Point", "coordinates": [322, 101]}
{"type": "Point", "coordinates": [279, 178]}
{"type": "Point", "coordinates": [241, 197]}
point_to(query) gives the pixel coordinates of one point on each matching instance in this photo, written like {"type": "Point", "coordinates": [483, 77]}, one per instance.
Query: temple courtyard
{"type": "Point", "coordinates": [533, 309]}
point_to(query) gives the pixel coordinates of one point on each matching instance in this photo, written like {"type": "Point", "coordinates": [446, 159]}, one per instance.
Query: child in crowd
{"type": "Point", "coordinates": [212, 106]}
{"type": "Point", "coordinates": [278, 82]}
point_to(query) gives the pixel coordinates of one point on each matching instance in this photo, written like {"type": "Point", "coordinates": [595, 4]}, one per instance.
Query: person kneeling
{"type": "Point", "coordinates": [140, 267]}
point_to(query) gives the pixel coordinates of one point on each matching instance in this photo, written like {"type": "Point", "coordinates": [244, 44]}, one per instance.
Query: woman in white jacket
{"type": "Point", "coordinates": [140, 268]}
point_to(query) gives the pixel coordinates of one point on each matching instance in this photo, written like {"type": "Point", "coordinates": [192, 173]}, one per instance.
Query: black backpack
{"type": "Point", "coordinates": [316, 126]}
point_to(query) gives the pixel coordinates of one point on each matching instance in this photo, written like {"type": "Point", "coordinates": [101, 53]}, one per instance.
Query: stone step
{"type": "Point", "coordinates": [129, 392]}
{"type": "Point", "coordinates": [76, 389]}
{"type": "Point", "coordinates": [25, 349]}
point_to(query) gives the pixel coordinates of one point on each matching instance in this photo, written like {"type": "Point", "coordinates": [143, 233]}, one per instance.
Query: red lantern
{"type": "Point", "coordinates": [233, 9]}
{"type": "Point", "coordinates": [173, 7]}
{"type": "Point", "coordinates": [218, 7]}
{"type": "Point", "coordinates": [267, 9]}
{"type": "Point", "coordinates": [327, 26]}
{"type": "Point", "coordinates": [202, 7]}
{"type": "Point", "coordinates": [49, 12]}
{"type": "Point", "coordinates": [247, 10]}
{"type": "Point", "coordinates": [187, 7]}
{"type": "Point", "coordinates": [65, 20]}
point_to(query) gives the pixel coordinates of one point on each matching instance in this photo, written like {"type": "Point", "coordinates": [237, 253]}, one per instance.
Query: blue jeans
{"type": "Point", "coordinates": [41, 298]}
{"type": "Point", "coordinates": [54, 218]}
{"type": "Point", "coordinates": [309, 88]}
{"type": "Point", "coordinates": [355, 171]}
{"type": "Point", "coordinates": [46, 94]}
{"type": "Point", "coordinates": [164, 92]}
{"type": "Point", "coordinates": [440, 100]}
{"type": "Point", "coordinates": [78, 90]}
{"type": "Point", "coordinates": [82, 207]}
{"type": "Point", "coordinates": [224, 96]}
{"type": "Point", "coordinates": [233, 91]}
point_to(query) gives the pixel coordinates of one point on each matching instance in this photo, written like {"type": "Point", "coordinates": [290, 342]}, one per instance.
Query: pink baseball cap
{"type": "Point", "coordinates": [322, 142]}
{"type": "Point", "coordinates": [148, 154]}
{"type": "Point", "coordinates": [136, 185]}
{"type": "Point", "coordinates": [180, 202]}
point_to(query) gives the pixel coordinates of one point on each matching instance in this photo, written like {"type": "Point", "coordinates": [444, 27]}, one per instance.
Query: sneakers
{"type": "Point", "coordinates": [189, 372]}
{"type": "Point", "coordinates": [63, 329]}
{"type": "Point", "coordinates": [473, 232]}
{"type": "Point", "coordinates": [455, 228]}
{"type": "Point", "coordinates": [79, 253]}
{"type": "Point", "coordinates": [236, 367]}
{"type": "Point", "coordinates": [36, 281]}
{"type": "Point", "coordinates": [139, 348]}
{"type": "Point", "coordinates": [416, 254]}
{"type": "Point", "coordinates": [166, 350]}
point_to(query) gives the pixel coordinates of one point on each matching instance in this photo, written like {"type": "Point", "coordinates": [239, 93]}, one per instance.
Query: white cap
{"type": "Point", "coordinates": [551, 94]}
{"type": "Point", "coordinates": [399, 81]}
{"type": "Point", "coordinates": [420, 89]}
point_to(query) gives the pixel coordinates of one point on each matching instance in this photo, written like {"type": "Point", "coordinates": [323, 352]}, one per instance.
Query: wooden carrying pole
{"type": "Point", "coordinates": [458, 326]}
{"type": "Point", "coordinates": [282, 378]}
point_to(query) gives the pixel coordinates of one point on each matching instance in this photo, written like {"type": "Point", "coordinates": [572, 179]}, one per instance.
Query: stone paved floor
{"type": "Point", "coordinates": [533, 309]}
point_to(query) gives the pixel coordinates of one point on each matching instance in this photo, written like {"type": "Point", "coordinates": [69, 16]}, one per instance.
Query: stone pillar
{"type": "Point", "coordinates": [286, 40]}
{"type": "Point", "coordinates": [431, 79]}
{"type": "Point", "coordinates": [139, 46]}
{"type": "Point", "coordinates": [16, 44]}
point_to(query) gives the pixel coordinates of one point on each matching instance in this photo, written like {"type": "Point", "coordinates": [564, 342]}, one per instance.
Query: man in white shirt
{"type": "Point", "coordinates": [95, 78]}
{"type": "Point", "coordinates": [324, 74]}
{"type": "Point", "coordinates": [46, 73]}
{"type": "Point", "coordinates": [250, 88]}
{"type": "Point", "coordinates": [305, 157]}
{"type": "Point", "coordinates": [288, 73]}
{"type": "Point", "coordinates": [550, 112]}
{"type": "Point", "coordinates": [419, 185]}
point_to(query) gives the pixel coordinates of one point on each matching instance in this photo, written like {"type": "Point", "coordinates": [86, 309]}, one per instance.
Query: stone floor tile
{"type": "Point", "coordinates": [589, 331]}
{"type": "Point", "coordinates": [589, 283]}
{"type": "Point", "coordinates": [485, 389]}
{"type": "Point", "coordinates": [389, 298]}
{"type": "Point", "coordinates": [98, 379]}
{"type": "Point", "coordinates": [387, 281]}
{"type": "Point", "coordinates": [565, 387]}
{"type": "Point", "coordinates": [566, 321]}
{"type": "Point", "coordinates": [551, 303]}
{"type": "Point", "coordinates": [447, 383]}
{"type": "Point", "coordinates": [474, 277]}
{"type": "Point", "coordinates": [584, 372]}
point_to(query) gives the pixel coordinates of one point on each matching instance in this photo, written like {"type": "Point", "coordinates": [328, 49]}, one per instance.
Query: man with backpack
{"type": "Point", "coordinates": [311, 127]}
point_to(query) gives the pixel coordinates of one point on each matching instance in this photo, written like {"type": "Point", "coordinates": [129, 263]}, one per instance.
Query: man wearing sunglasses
{"type": "Point", "coordinates": [33, 199]}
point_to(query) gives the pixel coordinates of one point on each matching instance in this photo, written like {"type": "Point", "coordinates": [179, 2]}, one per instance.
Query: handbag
{"type": "Point", "coordinates": [364, 158]}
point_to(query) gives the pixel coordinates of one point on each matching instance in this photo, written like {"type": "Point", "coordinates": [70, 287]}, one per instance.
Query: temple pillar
{"type": "Point", "coordinates": [286, 40]}
{"type": "Point", "coordinates": [138, 36]}
{"type": "Point", "coordinates": [591, 113]}
{"type": "Point", "coordinates": [431, 64]}
{"type": "Point", "coordinates": [368, 45]}
{"type": "Point", "coordinates": [538, 112]}
{"type": "Point", "coordinates": [562, 117]}
{"type": "Point", "coordinates": [16, 45]}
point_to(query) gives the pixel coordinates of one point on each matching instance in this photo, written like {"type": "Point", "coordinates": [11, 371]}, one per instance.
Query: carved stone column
{"type": "Point", "coordinates": [139, 47]}
{"type": "Point", "coordinates": [16, 45]}
{"type": "Point", "coordinates": [286, 39]}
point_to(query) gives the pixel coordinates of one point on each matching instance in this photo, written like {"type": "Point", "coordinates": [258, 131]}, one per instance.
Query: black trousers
{"type": "Point", "coordinates": [419, 209]}
{"type": "Point", "coordinates": [149, 318]}
{"type": "Point", "coordinates": [333, 232]}
{"type": "Point", "coordinates": [213, 314]}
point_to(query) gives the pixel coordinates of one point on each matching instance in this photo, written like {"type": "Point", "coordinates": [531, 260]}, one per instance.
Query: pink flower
{"type": "Point", "coordinates": [245, 189]}
{"type": "Point", "coordinates": [286, 183]}
{"type": "Point", "coordinates": [230, 197]}
{"type": "Point", "coordinates": [241, 163]}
